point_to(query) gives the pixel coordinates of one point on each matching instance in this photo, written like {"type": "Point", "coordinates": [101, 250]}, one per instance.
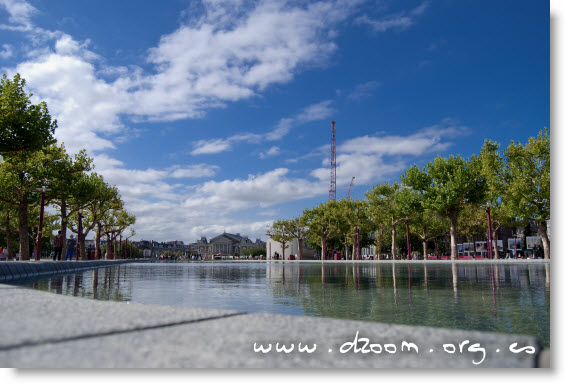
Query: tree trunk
{"type": "Point", "coordinates": [98, 243]}
{"type": "Point", "coordinates": [9, 244]}
{"type": "Point", "coordinates": [283, 250]}
{"type": "Point", "coordinates": [453, 226]}
{"type": "Point", "coordinates": [108, 255]}
{"type": "Point", "coordinates": [543, 233]}
{"type": "Point", "coordinates": [81, 246]}
{"type": "Point", "coordinates": [64, 228]}
{"type": "Point", "coordinates": [425, 250]}
{"type": "Point", "coordinates": [393, 242]}
{"type": "Point", "coordinates": [323, 255]}
{"type": "Point", "coordinates": [495, 249]}
{"type": "Point", "coordinates": [23, 228]}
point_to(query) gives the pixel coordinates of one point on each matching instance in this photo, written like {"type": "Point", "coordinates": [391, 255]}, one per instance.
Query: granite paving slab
{"type": "Point", "coordinates": [229, 343]}
{"type": "Point", "coordinates": [29, 317]}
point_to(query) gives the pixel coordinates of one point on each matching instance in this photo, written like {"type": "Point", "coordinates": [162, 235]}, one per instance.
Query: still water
{"type": "Point", "coordinates": [509, 298]}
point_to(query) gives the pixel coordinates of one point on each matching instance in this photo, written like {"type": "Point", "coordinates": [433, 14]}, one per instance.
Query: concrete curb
{"type": "Point", "coordinates": [16, 270]}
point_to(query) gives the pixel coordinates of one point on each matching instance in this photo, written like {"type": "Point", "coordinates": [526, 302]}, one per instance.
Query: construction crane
{"type": "Point", "coordinates": [332, 163]}
{"type": "Point", "coordinates": [350, 189]}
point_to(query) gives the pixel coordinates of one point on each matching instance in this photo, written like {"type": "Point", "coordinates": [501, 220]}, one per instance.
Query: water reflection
{"type": "Point", "coordinates": [512, 298]}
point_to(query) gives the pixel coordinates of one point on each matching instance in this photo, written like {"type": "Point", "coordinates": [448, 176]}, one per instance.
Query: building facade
{"type": "Point", "coordinates": [227, 244]}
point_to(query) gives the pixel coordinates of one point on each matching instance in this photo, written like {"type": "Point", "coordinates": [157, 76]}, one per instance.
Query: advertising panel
{"type": "Point", "coordinates": [481, 246]}
{"type": "Point", "coordinates": [468, 247]}
{"type": "Point", "coordinates": [511, 243]}
{"type": "Point", "coordinates": [534, 242]}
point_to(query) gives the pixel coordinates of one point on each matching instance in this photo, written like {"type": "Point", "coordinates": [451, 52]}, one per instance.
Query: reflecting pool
{"type": "Point", "coordinates": [510, 298]}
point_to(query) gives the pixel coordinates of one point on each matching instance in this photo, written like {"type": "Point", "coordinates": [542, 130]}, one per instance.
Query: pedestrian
{"type": "Point", "coordinates": [58, 246]}
{"type": "Point", "coordinates": [71, 243]}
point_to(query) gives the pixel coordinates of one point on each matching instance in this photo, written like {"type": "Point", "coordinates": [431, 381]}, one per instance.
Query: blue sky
{"type": "Point", "coordinates": [215, 115]}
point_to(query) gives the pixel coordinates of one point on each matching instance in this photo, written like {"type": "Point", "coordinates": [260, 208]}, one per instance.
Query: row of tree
{"type": "Point", "coordinates": [447, 196]}
{"type": "Point", "coordinates": [33, 163]}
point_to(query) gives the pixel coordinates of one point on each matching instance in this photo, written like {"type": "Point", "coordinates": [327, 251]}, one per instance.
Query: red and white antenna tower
{"type": "Point", "coordinates": [333, 163]}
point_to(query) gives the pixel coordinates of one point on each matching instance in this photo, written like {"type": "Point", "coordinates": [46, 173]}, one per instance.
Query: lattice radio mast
{"type": "Point", "coordinates": [333, 163]}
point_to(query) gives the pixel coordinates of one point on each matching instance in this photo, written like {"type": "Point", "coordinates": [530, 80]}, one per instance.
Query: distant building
{"type": "Point", "coordinates": [227, 244]}
{"type": "Point", "coordinates": [152, 248]}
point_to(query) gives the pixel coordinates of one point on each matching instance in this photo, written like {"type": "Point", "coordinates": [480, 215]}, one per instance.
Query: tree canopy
{"type": "Point", "coordinates": [23, 126]}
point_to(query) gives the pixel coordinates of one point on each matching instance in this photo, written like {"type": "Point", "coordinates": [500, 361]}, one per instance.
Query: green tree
{"type": "Point", "coordinates": [300, 231]}
{"type": "Point", "coordinates": [527, 179]}
{"type": "Point", "coordinates": [446, 186]}
{"type": "Point", "coordinates": [22, 174]}
{"type": "Point", "coordinates": [92, 196]}
{"type": "Point", "coordinates": [67, 186]}
{"type": "Point", "coordinates": [354, 213]}
{"type": "Point", "coordinates": [23, 126]}
{"type": "Point", "coordinates": [322, 224]}
{"type": "Point", "coordinates": [9, 228]}
{"type": "Point", "coordinates": [385, 206]}
{"type": "Point", "coordinates": [426, 224]}
{"type": "Point", "coordinates": [113, 223]}
{"type": "Point", "coordinates": [472, 223]}
{"type": "Point", "coordinates": [492, 169]}
{"type": "Point", "coordinates": [256, 251]}
{"type": "Point", "coordinates": [282, 231]}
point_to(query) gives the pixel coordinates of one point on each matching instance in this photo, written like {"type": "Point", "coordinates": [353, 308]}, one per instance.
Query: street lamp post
{"type": "Point", "coordinates": [490, 248]}
{"type": "Point", "coordinates": [80, 231]}
{"type": "Point", "coordinates": [358, 242]}
{"type": "Point", "coordinates": [408, 243]}
{"type": "Point", "coordinates": [40, 228]}
{"type": "Point", "coordinates": [299, 240]}
{"type": "Point", "coordinates": [98, 243]}
{"type": "Point", "coordinates": [515, 236]}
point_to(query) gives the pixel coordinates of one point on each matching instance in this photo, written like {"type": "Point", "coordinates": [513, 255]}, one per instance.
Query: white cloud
{"type": "Point", "coordinates": [402, 20]}
{"type": "Point", "coordinates": [7, 51]}
{"type": "Point", "coordinates": [226, 56]}
{"type": "Point", "coordinates": [313, 112]}
{"type": "Point", "coordinates": [86, 107]}
{"type": "Point", "coordinates": [384, 24]}
{"type": "Point", "coordinates": [209, 147]}
{"type": "Point", "coordinates": [273, 187]}
{"type": "Point", "coordinates": [194, 171]}
{"type": "Point", "coordinates": [373, 158]}
{"type": "Point", "coordinates": [273, 151]}
{"type": "Point", "coordinates": [19, 12]}
{"type": "Point", "coordinates": [364, 90]}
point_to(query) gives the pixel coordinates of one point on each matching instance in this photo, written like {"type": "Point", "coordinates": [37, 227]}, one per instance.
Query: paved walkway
{"type": "Point", "coordinates": [46, 330]}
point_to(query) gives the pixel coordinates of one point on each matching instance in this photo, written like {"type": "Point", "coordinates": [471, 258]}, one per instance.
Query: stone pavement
{"type": "Point", "coordinates": [46, 330]}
